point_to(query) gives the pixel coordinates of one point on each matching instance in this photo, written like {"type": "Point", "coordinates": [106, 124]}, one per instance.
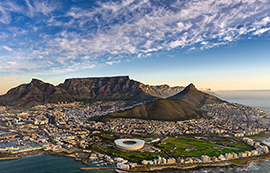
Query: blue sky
{"type": "Point", "coordinates": [218, 44]}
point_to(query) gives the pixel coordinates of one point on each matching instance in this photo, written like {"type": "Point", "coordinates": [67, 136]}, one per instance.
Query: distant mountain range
{"type": "Point", "coordinates": [85, 90]}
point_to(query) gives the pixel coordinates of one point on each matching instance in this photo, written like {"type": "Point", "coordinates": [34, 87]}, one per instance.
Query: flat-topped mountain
{"type": "Point", "coordinates": [195, 97]}
{"type": "Point", "coordinates": [111, 88]}
{"type": "Point", "coordinates": [167, 110]}
{"type": "Point", "coordinates": [84, 89]}
{"type": "Point", "coordinates": [105, 88]}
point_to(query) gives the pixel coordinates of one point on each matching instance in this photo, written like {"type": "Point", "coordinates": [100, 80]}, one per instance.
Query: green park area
{"type": "Point", "coordinates": [135, 157]}
{"type": "Point", "coordinates": [182, 146]}
{"type": "Point", "coordinates": [192, 147]}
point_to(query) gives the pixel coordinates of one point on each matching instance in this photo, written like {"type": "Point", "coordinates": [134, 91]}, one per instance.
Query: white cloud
{"type": "Point", "coordinates": [4, 15]}
{"type": "Point", "coordinates": [31, 8]}
{"type": "Point", "coordinates": [38, 6]}
{"type": "Point", "coordinates": [190, 24]}
{"type": "Point", "coordinates": [109, 63]}
{"type": "Point", "coordinates": [261, 31]}
{"type": "Point", "coordinates": [10, 64]}
{"type": "Point", "coordinates": [116, 30]}
{"type": "Point", "coordinates": [8, 48]}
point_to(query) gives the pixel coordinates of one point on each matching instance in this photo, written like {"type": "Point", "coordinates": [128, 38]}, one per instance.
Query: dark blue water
{"type": "Point", "coordinates": [44, 164]}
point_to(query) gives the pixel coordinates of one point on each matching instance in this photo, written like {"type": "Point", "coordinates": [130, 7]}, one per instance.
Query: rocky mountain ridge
{"type": "Point", "coordinates": [84, 89]}
{"type": "Point", "coordinates": [195, 97]}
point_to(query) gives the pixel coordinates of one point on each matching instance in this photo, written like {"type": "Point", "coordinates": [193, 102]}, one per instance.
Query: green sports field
{"type": "Point", "coordinates": [191, 147]}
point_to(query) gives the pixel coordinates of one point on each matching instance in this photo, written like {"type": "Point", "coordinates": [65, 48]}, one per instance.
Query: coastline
{"type": "Point", "coordinates": [238, 162]}
{"type": "Point", "coordinates": [9, 158]}
{"type": "Point", "coordinates": [40, 152]}
{"type": "Point", "coordinates": [246, 163]}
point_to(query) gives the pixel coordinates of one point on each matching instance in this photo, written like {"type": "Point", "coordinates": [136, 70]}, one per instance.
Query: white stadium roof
{"type": "Point", "coordinates": [129, 144]}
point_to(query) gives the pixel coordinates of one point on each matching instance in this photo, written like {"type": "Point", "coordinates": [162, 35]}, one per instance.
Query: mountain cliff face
{"type": "Point", "coordinates": [162, 91]}
{"type": "Point", "coordinates": [36, 92]}
{"type": "Point", "coordinates": [84, 89]}
{"type": "Point", "coordinates": [195, 97]}
{"type": "Point", "coordinates": [104, 88]}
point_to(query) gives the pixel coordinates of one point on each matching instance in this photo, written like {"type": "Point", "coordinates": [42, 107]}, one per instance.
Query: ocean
{"type": "Point", "coordinates": [44, 163]}
{"type": "Point", "coordinates": [255, 98]}
{"type": "Point", "coordinates": [55, 164]}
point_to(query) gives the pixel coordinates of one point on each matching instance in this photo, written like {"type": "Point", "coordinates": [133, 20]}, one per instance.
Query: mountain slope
{"type": "Point", "coordinates": [85, 90]}
{"type": "Point", "coordinates": [195, 97]}
{"type": "Point", "coordinates": [36, 92]}
{"type": "Point", "coordinates": [167, 110]}
{"type": "Point", "coordinates": [162, 91]}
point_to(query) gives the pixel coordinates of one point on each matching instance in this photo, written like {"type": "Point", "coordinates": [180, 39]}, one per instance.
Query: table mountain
{"type": "Point", "coordinates": [84, 89]}
{"type": "Point", "coordinates": [105, 88]}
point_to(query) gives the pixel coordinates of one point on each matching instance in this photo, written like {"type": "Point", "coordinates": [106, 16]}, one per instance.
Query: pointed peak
{"type": "Point", "coordinates": [191, 86]}
{"type": "Point", "coordinates": [36, 81]}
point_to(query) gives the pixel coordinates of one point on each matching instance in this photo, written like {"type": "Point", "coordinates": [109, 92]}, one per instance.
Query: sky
{"type": "Point", "coordinates": [217, 44]}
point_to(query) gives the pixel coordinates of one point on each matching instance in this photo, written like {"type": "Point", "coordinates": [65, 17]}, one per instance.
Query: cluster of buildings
{"type": "Point", "coordinates": [161, 128]}
{"type": "Point", "coordinates": [65, 127]}
{"type": "Point", "coordinates": [259, 150]}
{"type": "Point", "coordinates": [165, 128]}
{"type": "Point", "coordinates": [160, 161]}
{"type": "Point", "coordinates": [239, 119]}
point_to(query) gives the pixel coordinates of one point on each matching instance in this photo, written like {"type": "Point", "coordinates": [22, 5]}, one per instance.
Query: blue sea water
{"type": "Point", "coordinates": [44, 164]}
{"type": "Point", "coordinates": [55, 164]}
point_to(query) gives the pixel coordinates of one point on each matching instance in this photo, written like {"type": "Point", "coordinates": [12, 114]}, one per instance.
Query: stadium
{"type": "Point", "coordinates": [129, 144]}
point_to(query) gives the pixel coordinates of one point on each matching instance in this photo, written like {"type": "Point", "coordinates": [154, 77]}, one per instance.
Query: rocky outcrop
{"type": "Point", "coordinates": [162, 91]}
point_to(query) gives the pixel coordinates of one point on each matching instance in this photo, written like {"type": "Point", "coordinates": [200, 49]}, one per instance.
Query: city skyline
{"type": "Point", "coordinates": [222, 45]}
